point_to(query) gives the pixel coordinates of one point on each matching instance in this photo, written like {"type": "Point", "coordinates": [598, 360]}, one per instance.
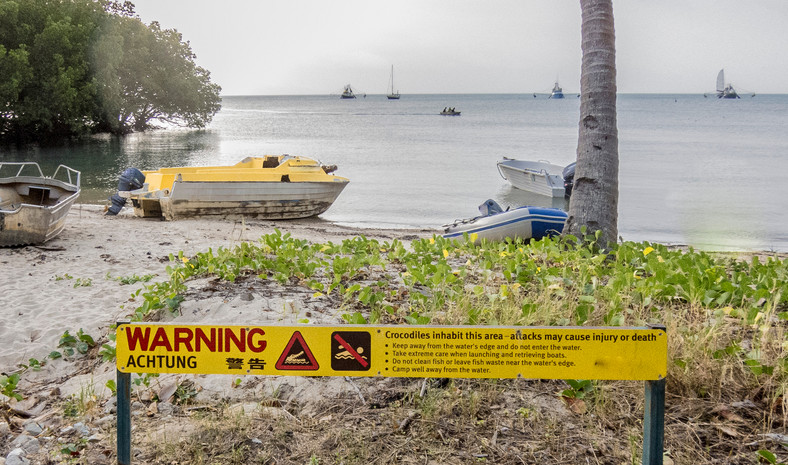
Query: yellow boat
{"type": "Point", "coordinates": [270, 187]}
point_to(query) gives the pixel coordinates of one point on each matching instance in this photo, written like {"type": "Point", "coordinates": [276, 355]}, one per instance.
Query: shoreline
{"type": "Point", "coordinates": [71, 282]}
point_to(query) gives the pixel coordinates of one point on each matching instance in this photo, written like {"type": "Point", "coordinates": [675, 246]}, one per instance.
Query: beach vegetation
{"type": "Point", "coordinates": [769, 457]}
{"type": "Point", "coordinates": [726, 317]}
{"type": "Point", "coordinates": [8, 386]}
{"type": "Point", "coordinates": [70, 69]}
{"type": "Point", "coordinates": [133, 279]}
{"type": "Point", "coordinates": [73, 450]}
{"type": "Point", "coordinates": [83, 282]}
{"type": "Point", "coordinates": [35, 364]}
{"type": "Point", "coordinates": [71, 344]}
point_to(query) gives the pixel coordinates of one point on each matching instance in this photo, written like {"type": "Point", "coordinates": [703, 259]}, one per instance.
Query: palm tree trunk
{"type": "Point", "coordinates": [594, 201]}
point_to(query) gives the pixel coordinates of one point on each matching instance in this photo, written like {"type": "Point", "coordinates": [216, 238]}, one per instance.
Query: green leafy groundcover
{"type": "Point", "coordinates": [726, 314]}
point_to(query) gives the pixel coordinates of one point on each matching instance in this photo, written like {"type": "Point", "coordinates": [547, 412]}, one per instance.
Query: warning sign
{"type": "Point", "coordinates": [297, 355]}
{"type": "Point", "coordinates": [396, 351]}
{"type": "Point", "coordinates": [351, 351]}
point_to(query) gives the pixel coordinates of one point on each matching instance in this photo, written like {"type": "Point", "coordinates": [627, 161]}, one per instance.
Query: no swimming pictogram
{"type": "Point", "coordinates": [297, 355]}
{"type": "Point", "coordinates": [351, 350]}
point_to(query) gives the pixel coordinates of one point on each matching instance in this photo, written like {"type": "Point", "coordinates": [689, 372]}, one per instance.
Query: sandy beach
{"type": "Point", "coordinates": [72, 282]}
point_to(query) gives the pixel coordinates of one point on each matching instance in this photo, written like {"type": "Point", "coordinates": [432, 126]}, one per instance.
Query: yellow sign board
{"type": "Point", "coordinates": [395, 351]}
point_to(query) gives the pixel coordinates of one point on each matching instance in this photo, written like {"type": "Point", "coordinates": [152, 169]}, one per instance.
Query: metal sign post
{"type": "Point", "coordinates": [123, 406]}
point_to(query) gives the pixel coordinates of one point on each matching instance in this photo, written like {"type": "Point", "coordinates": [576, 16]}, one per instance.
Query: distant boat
{"type": "Point", "coordinates": [347, 93]}
{"type": "Point", "coordinates": [391, 95]}
{"type": "Point", "coordinates": [450, 111]}
{"type": "Point", "coordinates": [557, 92]}
{"type": "Point", "coordinates": [725, 91]}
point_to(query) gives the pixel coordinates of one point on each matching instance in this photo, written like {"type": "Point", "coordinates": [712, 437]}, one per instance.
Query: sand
{"type": "Point", "coordinates": [71, 282]}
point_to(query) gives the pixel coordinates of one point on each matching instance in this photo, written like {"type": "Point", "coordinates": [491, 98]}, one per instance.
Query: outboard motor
{"type": "Point", "coordinates": [490, 207]}
{"type": "Point", "coordinates": [569, 178]}
{"type": "Point", "coordinates": [131, 179]}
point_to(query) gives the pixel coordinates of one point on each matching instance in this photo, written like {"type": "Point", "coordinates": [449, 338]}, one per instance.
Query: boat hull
{"type": "Point", "coordinates": [33, 210]}
{"type": "Point", "coordinates": [521, 223]}
{"type": "Point", "coordinates": [270, 187]}
{"type": "Point", "coordinates": [538, 177]}
{"type": "Point", "coordinates": [265, 200]}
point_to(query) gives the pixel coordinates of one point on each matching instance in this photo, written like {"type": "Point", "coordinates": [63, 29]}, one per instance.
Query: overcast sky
{"type": "Point", "coordinates": [287, 47]}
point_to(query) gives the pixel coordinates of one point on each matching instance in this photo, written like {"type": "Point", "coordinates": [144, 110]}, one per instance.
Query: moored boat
{"type": "Point", "coordinates": [495, 224]}
{"type": "Point", "coordinates": [392, 95]}
{"type": "Point", "coordinates": [270, 187]}
{"type": "Point", "coordinates": [557, 92]}
{"type": "Point", "coordinates": [347, 93]}
{"type": "Point", "coordinates": [540, 177]}
{"type": "Point", "coordinates": [725, 90]}
{"type": "Point", "coordinates": [33, 207]}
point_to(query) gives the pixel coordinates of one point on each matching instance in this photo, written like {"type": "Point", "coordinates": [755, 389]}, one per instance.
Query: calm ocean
{"type": "Point", "coordinates": [701, 171]}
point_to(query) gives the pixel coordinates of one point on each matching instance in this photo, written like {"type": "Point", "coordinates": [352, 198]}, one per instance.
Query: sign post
{"type": "Point", "coordinates": [400, 351]}
{"type": "Point", "coordinates": [123, 406]}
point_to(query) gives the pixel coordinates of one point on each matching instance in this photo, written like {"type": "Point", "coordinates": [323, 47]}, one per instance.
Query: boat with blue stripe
{"type": "Point", "coordinates": [496, 224]}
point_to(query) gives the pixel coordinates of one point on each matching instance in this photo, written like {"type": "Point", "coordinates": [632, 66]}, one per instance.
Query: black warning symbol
{"type": "Point", "coordinates": [297, 355]}
{"type": "Point", "coordinates": [351, 350]}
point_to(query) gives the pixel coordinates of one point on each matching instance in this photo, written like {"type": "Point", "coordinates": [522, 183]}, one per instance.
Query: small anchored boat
{"type": "Point", "coordinates": [33, 207]}
{"type": "Point", "coordinates": [347, 93]}
{"type": "Point", "coordinates": [540, 177]}
{"type": "Point", "coordinates": [557, 91]}
{"type": "Point", "coordinates": [392, 95]}
{"type": "Point", "coordinates": [271, 187]}
{"type": "Point", "coordinates": [496, 224]}
{"type": "Point", "coordinates": [725, 90]}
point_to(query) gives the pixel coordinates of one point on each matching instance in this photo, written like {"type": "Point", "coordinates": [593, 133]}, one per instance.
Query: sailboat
{"type": "Point", "coordinates": [391, 95]}
{"type": "Point", "coordinates": [725, 91]}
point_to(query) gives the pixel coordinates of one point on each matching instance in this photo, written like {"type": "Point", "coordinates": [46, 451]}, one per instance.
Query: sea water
{"type": "Point", "coordinates": [693, 170]}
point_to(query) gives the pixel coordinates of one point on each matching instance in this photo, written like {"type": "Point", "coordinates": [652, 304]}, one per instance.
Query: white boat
{"type": "Point", "coordinates": [33, 207]}
{"type": "Point", "coordinates": [541, 177]}
{"type": "Point", "coordinates": [495, 224]}
{"type": "Point", "coordinates": [347, 92]}
{"type": "Point", "coordinates": [392, 95]}
{"type": "Point", "coordinates": [723, 90]}
{"type": "Point", "coordinates": [272, 187]}
{"type": "Point", "coordinates": [557, 91]}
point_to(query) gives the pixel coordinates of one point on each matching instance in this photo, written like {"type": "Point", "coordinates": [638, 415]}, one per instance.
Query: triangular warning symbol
{"type": "Point", "coordinates": [297, 355]}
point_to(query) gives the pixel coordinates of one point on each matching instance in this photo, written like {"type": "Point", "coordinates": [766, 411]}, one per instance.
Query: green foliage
{"type": "Point", "coordinates": [725, 312]}
{"type": "Point", "coordinates": [133, 279]}
{"type": "Point", "coordinates": [769, 457]}
{"type": "Point", "coordinates": [83, 282]}
{"type": "Point", "coordinates": [8, 385]}
{"type": "Point", "coordinates": [578, 388]}
{"type": "Point", "coordinates": [71, 68]}
{"type": "Point", "coordinates": [79, 343]}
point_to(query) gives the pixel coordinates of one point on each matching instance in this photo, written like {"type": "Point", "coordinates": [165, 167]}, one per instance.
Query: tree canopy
{"type": "Point", "coordinates": [74, 67]}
